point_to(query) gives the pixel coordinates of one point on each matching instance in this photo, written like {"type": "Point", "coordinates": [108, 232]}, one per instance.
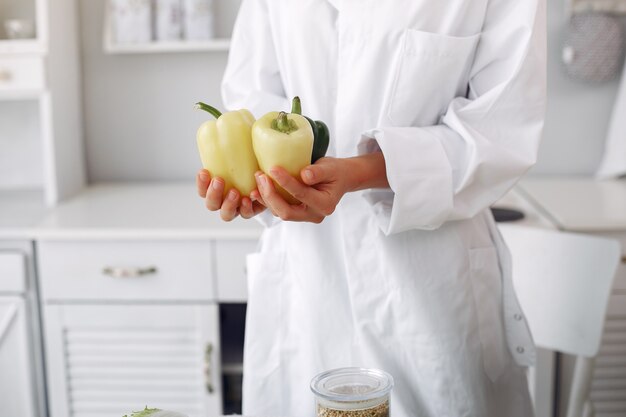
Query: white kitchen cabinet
{"type": "Point", "coordinates": [41, 137]}
{"type": "Point", "coordinates": [130, 301]}
{"type": "Point", "coordinates": [21, 374]}
{"type": "Point", "coordinates": [16, 373]}
{"type": "Point", "coordinates": [106, 360]}
{"type": "Point", "coordinates": [126, 270]}
{"type": "Point", "coordinates": [21, 74]}
{"type": "Point", "coordinates": [129, 323]}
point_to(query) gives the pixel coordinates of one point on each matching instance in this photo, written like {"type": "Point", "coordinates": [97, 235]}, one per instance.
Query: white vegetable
{"type": "Point", "coordinates": [155, 412]}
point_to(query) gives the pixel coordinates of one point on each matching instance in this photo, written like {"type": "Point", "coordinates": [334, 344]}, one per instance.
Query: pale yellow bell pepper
{"type": "Point", "coordinates": [283, 140]}
{"type": "Point", "coordinates": [226, 151]}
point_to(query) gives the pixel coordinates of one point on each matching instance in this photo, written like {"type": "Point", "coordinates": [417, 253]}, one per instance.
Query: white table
{"type": "Point", "coordinates": [584, 205]}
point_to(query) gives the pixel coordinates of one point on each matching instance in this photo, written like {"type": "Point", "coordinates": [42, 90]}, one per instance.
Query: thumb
{"type": "Point", "coordinates": [316, 174]}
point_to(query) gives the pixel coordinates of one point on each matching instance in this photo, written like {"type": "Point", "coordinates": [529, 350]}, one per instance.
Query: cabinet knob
{"type": "Point", "coordinates": [128, 272]}
{"type": "Point", "coordinates": [5, 75]}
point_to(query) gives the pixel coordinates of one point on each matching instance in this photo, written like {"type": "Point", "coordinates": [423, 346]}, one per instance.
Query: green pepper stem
{"type": "Point", "coordinates": [209, 109]}
{"type": "Point", "coordinates": [283, 124]}
{"type": "Point", "coordinates": [296, 106]}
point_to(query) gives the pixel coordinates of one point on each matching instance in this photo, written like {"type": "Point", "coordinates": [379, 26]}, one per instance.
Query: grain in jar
{"type": "Point", "coordinates": [352, 392]}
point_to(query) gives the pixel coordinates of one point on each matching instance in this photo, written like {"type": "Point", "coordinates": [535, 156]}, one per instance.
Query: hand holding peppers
{"type": "Point", "coordinates": [234, 146]}
{"type": "Point", "coordinates": [231, 206]}
{"type": "Point", "coordinates": [290, 141]}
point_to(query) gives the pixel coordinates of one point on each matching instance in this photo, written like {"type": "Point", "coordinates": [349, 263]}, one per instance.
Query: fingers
{"type": "Point", "coordinates": [317, 173]}
{"type": "Point", "coordinates": [214, 194]}
{"type": "Point", "coordinates": [230, 206]}
{"type": "Point", "coordinates": [246, 210]}
{"type": "Point", "coordinates": [256, 196]}
{"type": "Point", "coordinates": [249, 208]}
{"type": "Point", "coordinates": [294, 187]}
{"type": "Point", "coordinates": [280, 207]}
{"type": "Point", "coordinates": [313, 198]}
{"type": "Point", "coordinates": [203, 178]}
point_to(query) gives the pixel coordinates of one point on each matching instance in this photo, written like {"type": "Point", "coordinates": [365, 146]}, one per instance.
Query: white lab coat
{"type": "Point", "coordinates": [414, 280]}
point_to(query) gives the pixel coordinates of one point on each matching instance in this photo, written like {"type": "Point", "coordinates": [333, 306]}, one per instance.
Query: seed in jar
{"type": "Point", "coordinates": [381, 410]}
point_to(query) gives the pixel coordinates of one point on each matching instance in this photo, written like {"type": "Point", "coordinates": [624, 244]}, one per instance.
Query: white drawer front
{"type": "Point", "coordinates": [12, 272]}
{"type": "Point", "coordinates": [18, 74]}
{"type": "Point", "coordinates": [126, 270]}
{"type": "Point", "coordinates": [231, 269]}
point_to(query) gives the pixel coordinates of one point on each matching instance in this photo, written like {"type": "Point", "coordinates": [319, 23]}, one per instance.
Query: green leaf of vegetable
{"type": "Point", "coordinates": [146, 412]}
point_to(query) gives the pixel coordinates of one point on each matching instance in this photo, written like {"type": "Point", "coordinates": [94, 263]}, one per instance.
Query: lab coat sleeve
{"type": "Point", "coordinates": [252, 78]}
{"type": "Point", "coordinates": [483, 143]}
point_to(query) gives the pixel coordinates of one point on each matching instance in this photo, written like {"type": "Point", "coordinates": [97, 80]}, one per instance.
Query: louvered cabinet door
{"type": "Point", "coordinates": [106, 360]}
{"type": "Point", "coordinates": [16, 373]}
{"type": "Point", "coordinates": [608, 387]}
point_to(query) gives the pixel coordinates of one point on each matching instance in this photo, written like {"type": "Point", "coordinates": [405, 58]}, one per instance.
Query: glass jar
{"type": "Point", "coordinates": [352, 392]}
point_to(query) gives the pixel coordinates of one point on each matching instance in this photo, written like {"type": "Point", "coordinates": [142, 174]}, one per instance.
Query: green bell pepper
{"type": "Point", "coordinates": [321, 135]}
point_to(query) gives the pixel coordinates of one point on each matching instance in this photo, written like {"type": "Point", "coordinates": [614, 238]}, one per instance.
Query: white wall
{"type": "Point", "coordinates": [20, 145]}
{"type": "Point", "coordinates": [140, 124]}
{"type": "Point", "coordinates": [578, 113]}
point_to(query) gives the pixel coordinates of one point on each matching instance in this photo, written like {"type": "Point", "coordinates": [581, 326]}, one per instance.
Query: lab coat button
{"type": "Point", "coordinates": [518, 317]}
{"type": "Point", "coordinates": [520, 349]}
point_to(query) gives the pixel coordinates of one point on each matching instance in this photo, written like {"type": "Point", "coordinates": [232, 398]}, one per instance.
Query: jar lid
{"type": "Point", "coordinates": [352, 384]}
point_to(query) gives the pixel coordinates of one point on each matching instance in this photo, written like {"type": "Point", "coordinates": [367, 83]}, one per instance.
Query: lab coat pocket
{"type": "Point", "coordinates": [487, 288]}
{"type": "Point", "coordinates": [433, 69]}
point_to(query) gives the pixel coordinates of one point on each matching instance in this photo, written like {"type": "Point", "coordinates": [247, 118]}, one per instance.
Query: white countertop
{"type": "Point", "coordinates": [533, 217]}
{"type": "Point", "coordinates": [20, 212]}
{"type": "Point", "coordinates": [147, 211]}
{"type": "Point", "coordinates": [579, 204]}
{"type": "Point", "coordinates": [129, 211]}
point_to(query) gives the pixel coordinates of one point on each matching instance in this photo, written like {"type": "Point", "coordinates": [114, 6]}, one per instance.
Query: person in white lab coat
{"type": "Point", "coordinates": [393, 261]}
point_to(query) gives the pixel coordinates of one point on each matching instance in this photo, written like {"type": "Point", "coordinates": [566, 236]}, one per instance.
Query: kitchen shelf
{"type": "Point", "coordinates": [39, 75]}
{"type": "Point", "coordinates": [21, 95]}
{"type": "Point", "coordinates": [214, 45]}
{"type": "Point", "coordinates": [617, 7]}
{"type": "Point", "coordinates": [220, 44]}
{"type": "Point", "coordinates": [22, 46]}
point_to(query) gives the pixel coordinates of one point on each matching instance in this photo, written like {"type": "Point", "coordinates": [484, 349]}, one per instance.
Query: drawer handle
{"type": "Point", "coordinates": [208, 368]}
{"type": "Point", "coordinates": [5, 75]}
{"type": "Point", "coordinates": [624, 259]}
{"type": "Point", "coordinates": [128, 272]}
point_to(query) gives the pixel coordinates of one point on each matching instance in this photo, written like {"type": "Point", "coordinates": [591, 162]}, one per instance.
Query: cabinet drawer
{"type": "Point", "coordinates": [126, 270]}
{"type": "Point", "coordinates": [231, 269]}
{"type": "Point", "coordinates": [18, 74]}
{"type": "Point", "coordinates": [12, 271]}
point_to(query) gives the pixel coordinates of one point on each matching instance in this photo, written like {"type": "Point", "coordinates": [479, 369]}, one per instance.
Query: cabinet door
{"type": "Point", "coordinates": [16, 377]}
{"type": "Point", "coordinates": [106, 360]}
